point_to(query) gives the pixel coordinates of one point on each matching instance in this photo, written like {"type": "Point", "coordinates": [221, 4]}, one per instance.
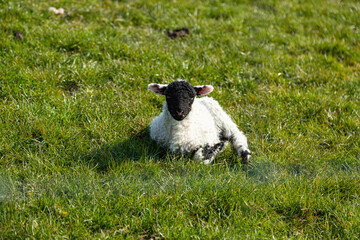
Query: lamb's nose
{"type": "Point", "coordinates": [179, 113]}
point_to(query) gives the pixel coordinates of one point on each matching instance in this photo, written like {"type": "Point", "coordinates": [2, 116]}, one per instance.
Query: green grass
{"type": "Point", "coordinates": [76, 160]}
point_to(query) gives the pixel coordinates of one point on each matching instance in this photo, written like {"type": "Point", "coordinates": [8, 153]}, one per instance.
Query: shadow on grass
{"type": "Point", "coordinates": [137, 148]}
{"type": "Point", "coordinates": [140, 148]}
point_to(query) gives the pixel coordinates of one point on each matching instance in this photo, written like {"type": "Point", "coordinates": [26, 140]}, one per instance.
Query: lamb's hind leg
{"type": "Point", "coordinates": [208, 153]}
{"type": "Point", "coordinates": [229, 130]}
{"type": "Point", "coordinates": [239, 142]}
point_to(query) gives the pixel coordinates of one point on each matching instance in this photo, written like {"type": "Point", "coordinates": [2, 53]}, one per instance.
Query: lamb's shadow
{"type": "Point", "coordinates": [137, 148]}
{"type": "Point", "coordinates": [141, 148]}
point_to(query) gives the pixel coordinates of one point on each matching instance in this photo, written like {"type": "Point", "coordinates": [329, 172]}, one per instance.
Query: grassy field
{"type": "Point", "coordinates": [76, 160]}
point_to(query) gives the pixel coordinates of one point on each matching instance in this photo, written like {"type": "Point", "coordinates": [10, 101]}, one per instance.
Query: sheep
{"type": "Point", "coordinates": [189, 124]}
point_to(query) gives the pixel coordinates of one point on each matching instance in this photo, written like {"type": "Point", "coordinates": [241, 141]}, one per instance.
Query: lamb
{"type": "Point", "coordinates": [189, 124]}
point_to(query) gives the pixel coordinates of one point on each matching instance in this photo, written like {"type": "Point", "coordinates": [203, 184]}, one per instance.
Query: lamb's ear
{"type": "Point", "coordinates": [157, 88]}
{"type": "Point", "coordinates": [202, 90]}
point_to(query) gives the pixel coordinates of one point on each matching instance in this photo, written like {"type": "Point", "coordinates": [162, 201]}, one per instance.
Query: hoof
{"type": "Point", "coordinates": [206, 162]}
{"type": "Point", "coordinates": [246, 156]}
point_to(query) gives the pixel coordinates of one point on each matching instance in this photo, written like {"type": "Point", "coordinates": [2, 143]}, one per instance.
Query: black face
{"type": "Point", "coordinates": [180, 96]}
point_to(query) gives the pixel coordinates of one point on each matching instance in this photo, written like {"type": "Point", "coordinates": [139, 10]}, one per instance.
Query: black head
{"type": "Point", "coordinates": [180, 96]}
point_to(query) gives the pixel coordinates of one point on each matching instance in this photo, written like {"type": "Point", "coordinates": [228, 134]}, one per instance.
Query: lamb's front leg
{"type": "Point", "coordinates": [208, 153]}
{"type": "Point", "coordinates": [199, 155]}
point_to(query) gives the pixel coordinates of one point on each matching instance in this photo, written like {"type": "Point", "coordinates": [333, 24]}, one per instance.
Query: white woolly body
{"type": "Point", "coordinates": [203, 126]}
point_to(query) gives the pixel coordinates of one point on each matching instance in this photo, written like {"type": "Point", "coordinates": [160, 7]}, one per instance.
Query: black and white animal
{"type": "Point", "coordinates": [189, 124]}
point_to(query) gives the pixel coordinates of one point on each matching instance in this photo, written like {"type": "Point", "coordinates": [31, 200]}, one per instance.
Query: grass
{"type": "Point", "coordinates": [76, 160]}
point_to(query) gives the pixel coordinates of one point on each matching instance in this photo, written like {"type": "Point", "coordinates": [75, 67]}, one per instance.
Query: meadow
{"type": "Point", "coordinates": [76, 159]}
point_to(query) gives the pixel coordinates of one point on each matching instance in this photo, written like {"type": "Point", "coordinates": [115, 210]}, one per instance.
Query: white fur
{"type": "Point", "coordinates": [196, 130]}
{"type": "Point", "coordinates": [203, 126]}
